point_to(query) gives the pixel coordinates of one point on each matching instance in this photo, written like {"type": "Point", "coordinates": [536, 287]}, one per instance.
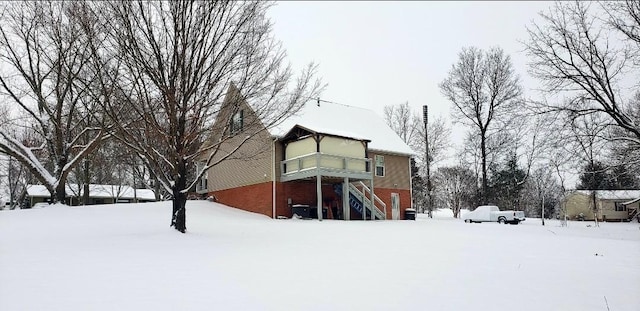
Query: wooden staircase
{"type": "Point", "coordinates": [359, 200]}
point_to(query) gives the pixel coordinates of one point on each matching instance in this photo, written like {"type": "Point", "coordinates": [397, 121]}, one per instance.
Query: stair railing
{"type": "Point", "coordinates": [368, 191]}
{"type": "Point", "coordinates": [366, 200]}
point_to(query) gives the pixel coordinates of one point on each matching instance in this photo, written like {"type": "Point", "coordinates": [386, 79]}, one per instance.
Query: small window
{"type": "Point", "coordinates": [620, 207]}
{"type": "Point", "coordinates": [237, 122]}
{"type": "Point", "coordinates": [380, 165]}
{"type": "Point", "coordinates": [202, 183]}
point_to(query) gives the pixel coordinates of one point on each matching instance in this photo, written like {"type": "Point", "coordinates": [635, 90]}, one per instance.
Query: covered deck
{"type": "Point", "coordinates": [335, 159]}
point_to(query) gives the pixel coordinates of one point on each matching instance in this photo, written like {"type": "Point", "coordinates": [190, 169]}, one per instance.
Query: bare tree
{"type": "Point", "coordinates": [542, 193]}
{"type": "Point", "coordinates": [173, 63]}
{"type": "Point", "coordinates": [522, 143]}
{"type": "Point", "coordinates": [456, 187]}
{"type": "Point", "coordinates": [576, 53]}
{"type": "Point", "coordinates": [435, 138]}
{"type": "Point", "coordinates": [588, 144]}
{"type": "Point", "coordinates": [15, 181]}
{"type": "Point", "coordinates": [439, 140]}
{"type": "Point", "coordinates": [409, 125]}
{"type": "Point", "coordinates": [44, 59]}
{"type": "Point", "coordinates": [484, 90]}
{"type": "Point", "coordinates": [403, 121]}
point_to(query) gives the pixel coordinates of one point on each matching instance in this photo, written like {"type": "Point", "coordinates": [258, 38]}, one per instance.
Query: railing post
{"type": "Point", "coordinates": [364, 203]}
{"type": "Point", "coordinates": [373, 201]}
{"type": "Point", "coordinates": [319, 187]}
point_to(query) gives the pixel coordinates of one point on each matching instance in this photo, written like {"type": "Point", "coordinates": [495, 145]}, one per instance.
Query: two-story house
{"type": "Point", "coordinates": [328, 160]}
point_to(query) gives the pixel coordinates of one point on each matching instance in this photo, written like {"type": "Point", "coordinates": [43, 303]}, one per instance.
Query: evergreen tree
{"type": "Point", "coordinates": [505, 185]}
{"type": "Point", "coordinates": [595, 176]}
{"type": "Point", "coordinates": [624, 178]}
{"type": "Point", "coordinates": [418, 187]}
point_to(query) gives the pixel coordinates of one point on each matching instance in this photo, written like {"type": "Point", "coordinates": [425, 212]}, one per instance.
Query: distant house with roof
{"type": "Point", "coordinates": [327, 161]}
{"type": "Point", "coordinates": [98, 194]}
{"type": "Point", "coordinates": [610, 205]}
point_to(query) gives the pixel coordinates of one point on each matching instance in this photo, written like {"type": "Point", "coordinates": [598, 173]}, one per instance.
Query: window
{"type": "Point", "coordinates": [380, 165]}
{"type": "Point", "coordinates": [202, 183]}
{"type": "Point", "coordinates": [237, 122]}
{"type": "Point", "coordinates": [620, 207]}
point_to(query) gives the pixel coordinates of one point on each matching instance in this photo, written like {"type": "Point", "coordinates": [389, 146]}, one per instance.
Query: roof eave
{"type": "Point", "coordinates": [398, 153]}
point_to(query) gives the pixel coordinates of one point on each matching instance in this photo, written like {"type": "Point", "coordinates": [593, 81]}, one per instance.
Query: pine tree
{"type": "Point", "coordinates": [506, 185]}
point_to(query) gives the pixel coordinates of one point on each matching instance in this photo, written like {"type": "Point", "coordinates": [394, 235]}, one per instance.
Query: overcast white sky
{"type": "Point", "coordinates": [373, 54]}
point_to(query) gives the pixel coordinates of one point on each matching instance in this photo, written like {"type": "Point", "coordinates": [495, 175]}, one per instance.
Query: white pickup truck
{"type": "Point", "coordinates": [492, 213]}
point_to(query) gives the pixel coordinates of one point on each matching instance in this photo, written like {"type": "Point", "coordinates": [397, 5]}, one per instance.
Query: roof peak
{"type": "Point", "coordinates": [344, 120]}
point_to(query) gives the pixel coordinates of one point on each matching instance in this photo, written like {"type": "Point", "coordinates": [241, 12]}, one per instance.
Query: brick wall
{"type": "Point", "coordinates": [385, 195]}
{"type": "Point", "coordinates": [304, 192]}
{"type": "Point", "coordinates": [254, 198]}
{"type": "Point", "coordinates": [258, 198]}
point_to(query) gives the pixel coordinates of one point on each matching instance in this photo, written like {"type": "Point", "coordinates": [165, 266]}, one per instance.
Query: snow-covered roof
{"type": "Point", "coordinates": [346, 121]}
{"type": "Point", "coordinates": [96, 191]}
{"type": "Point", "coordinates": [613, 194]}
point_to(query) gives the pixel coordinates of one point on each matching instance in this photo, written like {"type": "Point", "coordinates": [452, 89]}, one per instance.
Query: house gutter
{"type": "Point", "coordinates": [411, 186]}
{"type": "Point", "coordinates": [273, 177]}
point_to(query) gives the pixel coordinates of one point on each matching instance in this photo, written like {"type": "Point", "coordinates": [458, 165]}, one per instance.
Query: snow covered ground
{"type": "Point", "coordinates": [125, 257]}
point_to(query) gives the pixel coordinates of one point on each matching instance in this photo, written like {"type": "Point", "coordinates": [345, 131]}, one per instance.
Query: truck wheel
{"type": "Point", "coordinates": [502, 220]}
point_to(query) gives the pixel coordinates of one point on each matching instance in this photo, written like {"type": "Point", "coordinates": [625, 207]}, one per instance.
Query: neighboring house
{"type": "Point", "coordinates": [98, 194]}
{"type": "Point", "coordinates": [611, 205]}
{"type": "Point", "coordinates": [327, 155]}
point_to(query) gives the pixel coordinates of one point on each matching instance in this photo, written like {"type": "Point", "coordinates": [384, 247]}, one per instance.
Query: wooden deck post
{"type": "Point", "coordinates": [319, 193]}
{"type": "Point", "coordinates": [346, 208]}
{"type": "Point", "coordinates": [318, 185]}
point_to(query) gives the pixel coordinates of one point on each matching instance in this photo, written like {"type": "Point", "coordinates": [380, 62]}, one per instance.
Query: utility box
{"type": "Point", "coordinates": [410, 214]}
{"type": "Point", "coordinates": [301, 210]}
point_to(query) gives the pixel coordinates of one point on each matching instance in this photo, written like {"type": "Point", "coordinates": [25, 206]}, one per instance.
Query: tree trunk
{"type": "Point", "coordinates": [60, 194]}
{"type": "Point", "coordinates": [156, 189]}
{"type": "Point", "coordinates": [542, 209]}
{"type": "Point", "coordinates": [179, 218]}
{"type": "Point", "coordinates": [483, 150]}
{"type": "Point", "coordinates": [12, 185]}
{"type": "Point", "coordinates": [85, 193]}
{"type": "Point", "coordinates": [595, 207]}
{"type": "Point", "coordinates": [87, 179]}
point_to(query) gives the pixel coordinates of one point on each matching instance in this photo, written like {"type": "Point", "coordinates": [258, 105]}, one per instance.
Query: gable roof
{"type": "Point", "coordinates": [345, 121]}
{"type": "Point", "coordinates": [96, 191]}
{"type": "Point", "coordinates": [299, 130]}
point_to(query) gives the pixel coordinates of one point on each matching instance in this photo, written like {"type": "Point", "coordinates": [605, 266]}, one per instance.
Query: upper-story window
{"type": "Point", "coordinates": [202, 183]}
{"type": "Point", "coordinates": [237, 122]}
{"type": "Point", "coordinates": [379, 165]}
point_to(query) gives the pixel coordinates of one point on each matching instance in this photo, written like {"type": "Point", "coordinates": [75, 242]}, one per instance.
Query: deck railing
{"type": "Point", "coordinates": [325, 162]}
